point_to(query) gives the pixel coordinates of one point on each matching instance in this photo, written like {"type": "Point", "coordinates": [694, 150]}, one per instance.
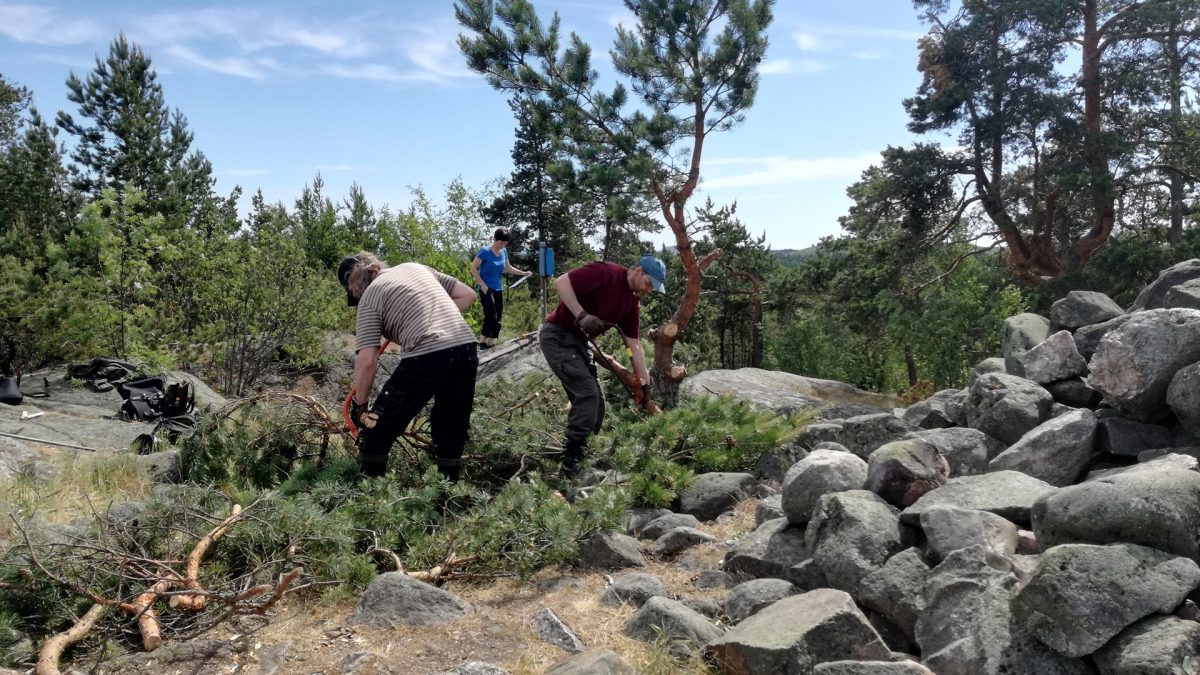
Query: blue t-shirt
{"type": "Point", "coordinates": [491, 270]}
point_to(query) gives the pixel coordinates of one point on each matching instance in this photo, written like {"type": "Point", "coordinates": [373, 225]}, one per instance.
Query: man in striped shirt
{"type": "Point", "coordinates": [419, 310]}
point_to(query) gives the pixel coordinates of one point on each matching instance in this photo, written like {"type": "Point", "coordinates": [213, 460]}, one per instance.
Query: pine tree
{"type": "Point", "coordinates": [126, 137]}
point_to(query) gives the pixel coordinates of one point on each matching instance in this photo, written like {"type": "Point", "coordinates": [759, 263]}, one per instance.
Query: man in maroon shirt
{"type": "Point", "coordinates": [593, 299]}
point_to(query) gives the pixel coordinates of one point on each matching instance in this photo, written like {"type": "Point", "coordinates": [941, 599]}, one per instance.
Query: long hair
{"type": "Point", "coordinates": [366, 268]}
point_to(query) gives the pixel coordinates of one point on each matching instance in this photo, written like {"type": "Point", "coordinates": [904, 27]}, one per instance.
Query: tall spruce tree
{"type": "Point", "coordinates": [694, 70]}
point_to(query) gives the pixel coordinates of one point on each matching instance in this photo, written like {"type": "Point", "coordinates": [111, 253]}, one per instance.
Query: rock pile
{"type": "Point", "coordinates": [1045, 519]}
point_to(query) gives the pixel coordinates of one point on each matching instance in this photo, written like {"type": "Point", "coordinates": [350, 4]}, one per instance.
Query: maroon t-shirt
{"type": "Point", "coordinates": [603, 291]}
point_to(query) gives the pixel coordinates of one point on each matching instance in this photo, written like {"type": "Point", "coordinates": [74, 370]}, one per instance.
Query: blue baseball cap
{"type": "Point", "coordinates": [657, 270]}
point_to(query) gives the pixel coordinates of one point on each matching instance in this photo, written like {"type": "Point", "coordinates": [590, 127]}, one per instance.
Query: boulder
{"type": "Point", "coordinates": [714, 493]}
{"type": "Point", "coordinates": [902, 471]}
{"type": "Point", "coordinates": [821, 472]}
{"type": "Point", "coordinates": [161, 467]}
{"type": "Point", "coordinates": [1054, 359]}
{"type": "Point", "coordinates": [796, 634]}
{"type": "Point", "coordinates": [1159, 508]}
{"type": "Point", "coordinates": [685, 629]}
{"type": "Point", "coordinates": [994, 364]}
{"type": "Point", "coordinates": [1168, 461]}
{"type": "Point", "coordinates": [1183, 396]}
{"type": "Point", "coordinates": [665, 523]}
{"type": "Point", "coordinates": [634, 588]}
{"type": "Point", "coordinates": [852, 534]}
{"type": "Point", "coordinates": [862, 434]}
{"type": "Point", "coordinates": [1081, 595]}
{"type": "Point", "coordinates": [1185, 295]}
{"type": "Point", "coordinates": [946, 408]}
{"type": "Point", "coordinates": [897, 590]}
{"type": "Point", "coordinates": [1008, 494]}
{"type": "Point", "coordinates": [1134, 364]}
{"type": "Point", "coordinates": [607, 550]}
{"type": "Point", "coordinates": [1019, 334]}
{"type": "Point", "coordinates": [680, 539]}
{"type": "Point", "coordinates": [773, 464]}
{"type": "Point", "coordinates": [966, 451]}
{"type": "Point", "coordinates": [1088, 338]}
{"type": "Point", "coordinates": [949, 528]}
{"type": "Point", "coordinates": [769, 551]}
{"type": "Point", "coordinates": [1056, 451]}
{"type": "Point", "coordinates": [1156, 644]}
{"type": "Point", "coordinates": [769, 509]}
{"type": "Point", "coordinates": [637, 518]}
{"type": "Point", "coordinates": [593, 662]}
{"type": "Point", "coordinates": [967, 627]}
{"type": "Point", "coordinates": [1154, 294]}
{"type": "Point", "coordinates": [1082, 308]}
{"type": "Point", "coordinates": [1074, 392]}
{"type": "Point", "coordinates": [820, 432]}
{"type": "Point", "coordinates": [748, 598]}
{"type": "Point", "coordinates": [394, 598]}
{"type": "Point", "coordinates": [1006, 406]}
{"type": "Point", "coordinates": [1122, 436]}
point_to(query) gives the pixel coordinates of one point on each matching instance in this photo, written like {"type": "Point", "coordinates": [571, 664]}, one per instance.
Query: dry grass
{"type": "Point", "coordinates": [82, 484]}
{"type": "Point", "coordinates": [500, 630]}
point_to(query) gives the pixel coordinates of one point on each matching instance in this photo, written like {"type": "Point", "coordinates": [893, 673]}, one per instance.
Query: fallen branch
{"type": "Point", "coordinates": [191, 576]}
{"type": "Point", "coordinates": [52, 649]}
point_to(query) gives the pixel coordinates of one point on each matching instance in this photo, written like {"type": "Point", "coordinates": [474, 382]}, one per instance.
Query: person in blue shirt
{"type": "Point", "coordinates": [488, 268]}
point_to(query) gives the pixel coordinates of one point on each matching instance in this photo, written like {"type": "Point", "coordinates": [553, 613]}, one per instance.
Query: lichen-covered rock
{"type": "Point", "coordinates": [897, 590]}
{"type": "Point", "coordinates": [607, 550]}
{"type": "Point", "coordinates": [795, 634]}
{"type": "Point", "coordinates": [901, 471]}
{"type": "Point", "coordinates": [948, 529]}
{"type": "Point", "coordinates": [821, 472]}
{"type": "Point", "coordinates": [1009, 494]}
{"type": "Point", "coordinates": [634, 588]}
{"type": "Point", "coordinates": [1056, 358]}
{"type": "Point", "coordinates": [1081, 595]}
{"type": "Point", "coordinates": [1057, 451]}
{"type": "Point", "coordinates": [1083, 308]}
{"type": "Point", "coordinates": [748, 598]}
{"type": "Point", "coordinates": [1134, 364]}
{"type": "Point", "coordinates": [394, 598]}
{"type": "Point", "coordinates": [1006, 406]}
{"type": "Point", "coordinates": [1155, 293]}
{"type": "Point", "coordinates": [714, 493]}
{"type": "Point", "coordinates": [769, 551]}
{"type": "Point", "coordinates": [967, 451]}
{"type": "Point", "coordinates": [853, 534]}
{"type": "Point", "coordinates": [1156, 644]}
{"type": "Point", "coordinates": [1019, 334]}
{"type": "Point", "coordinates": [1155, 507]}
{"type": "Point", "coordinates": [685, 629]}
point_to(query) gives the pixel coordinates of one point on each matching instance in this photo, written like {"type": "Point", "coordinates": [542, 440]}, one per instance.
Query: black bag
{"type": "Point", "coordinates": [143, 399]}
{"type": "Point", "coordinates": [10, 391]}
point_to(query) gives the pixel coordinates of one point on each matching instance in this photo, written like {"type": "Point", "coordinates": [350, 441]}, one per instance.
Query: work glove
{"type": "Point", "coordinates": [590, 325]}
{"type": "Point", "coordinates": [362, 415]}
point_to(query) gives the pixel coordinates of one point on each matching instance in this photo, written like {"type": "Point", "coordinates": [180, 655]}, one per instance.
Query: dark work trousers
{"type": "Point", "coordinates": [493, 312]}
{"type": "Point", "coordinates": [448, 377]}
{"type": "Point", "coordinates": [571, 360]}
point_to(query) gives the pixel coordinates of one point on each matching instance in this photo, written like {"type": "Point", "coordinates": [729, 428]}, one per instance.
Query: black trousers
{"type": "Point", "coordinates": [493, 312]}
{"type": "Point", "coordinates": [571, 360]}
{"type": "Point", "coordinates": [447, 377]}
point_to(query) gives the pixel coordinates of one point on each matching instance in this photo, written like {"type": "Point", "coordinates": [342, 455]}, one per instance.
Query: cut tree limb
{"type": "Point", "coordinates": [52, 649]}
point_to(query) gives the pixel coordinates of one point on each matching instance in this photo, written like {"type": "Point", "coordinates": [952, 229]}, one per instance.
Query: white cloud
{"type": "Point", "coordinates": [254, 31]}
{"type": "Point", "coordinates": [237, 66]}
{"type": "Point", "coordinates": [365, 71]}
{"type": "Point", "coordinates": [761, 171]}
{"type": "Point", "coordinates": [861, 32]}
{"type": "Point", "coordinates": [790, 66]}
{"type": "Point", "coordinates": [433, 49]}
{"type": "Point", "coordinates": [806, 42]}
{"type": "Point", "coordinates": [39, 25]}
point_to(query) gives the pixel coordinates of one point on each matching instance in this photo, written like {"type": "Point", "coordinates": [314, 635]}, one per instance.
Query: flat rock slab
{"type": "Point", "coordinates": [785, 393]}
{"type": "Point", "coordinates": [1008, 494]}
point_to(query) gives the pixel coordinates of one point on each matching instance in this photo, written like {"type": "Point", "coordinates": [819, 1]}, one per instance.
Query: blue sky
{"type": "Point", "coordinates": [377, 93]}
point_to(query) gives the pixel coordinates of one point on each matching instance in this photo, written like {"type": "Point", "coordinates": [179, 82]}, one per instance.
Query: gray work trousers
{"type": "Point", "coordinates": [571, 360]}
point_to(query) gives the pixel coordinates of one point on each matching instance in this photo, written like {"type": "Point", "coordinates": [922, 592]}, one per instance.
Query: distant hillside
{"type": "Point", "coordinates": [790, 257]}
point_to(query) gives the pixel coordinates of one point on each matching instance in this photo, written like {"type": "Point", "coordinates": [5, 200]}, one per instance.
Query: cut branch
{"type": "Point", "coordinates": [52, 649]}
